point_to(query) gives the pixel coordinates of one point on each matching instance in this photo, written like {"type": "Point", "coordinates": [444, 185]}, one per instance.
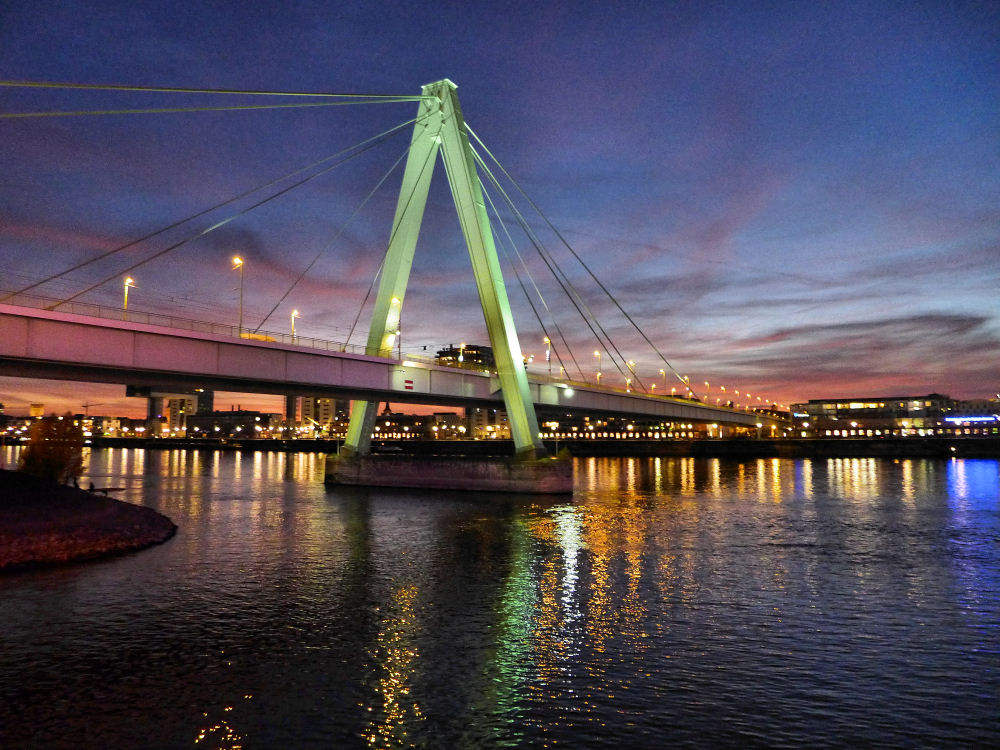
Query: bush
{"type": "Point", "coordinates": [55, 449]}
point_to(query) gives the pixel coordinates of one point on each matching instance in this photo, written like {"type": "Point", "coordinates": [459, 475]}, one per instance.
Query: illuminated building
{"type": "Point", "coordinates": [897, 415]}
{"type": "Point", "coordinates": [466, 355]}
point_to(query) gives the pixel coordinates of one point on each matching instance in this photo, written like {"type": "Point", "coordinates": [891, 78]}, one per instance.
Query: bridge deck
{"type": "Point", "coordinates": [70, 346]}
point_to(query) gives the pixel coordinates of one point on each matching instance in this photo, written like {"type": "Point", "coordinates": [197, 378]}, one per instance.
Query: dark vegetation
{"type": "Point", "coordinates": [54, 452]}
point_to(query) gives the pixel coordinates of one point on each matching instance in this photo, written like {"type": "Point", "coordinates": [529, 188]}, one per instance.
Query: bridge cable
{"type": "Point", "coordinates": [370, 143]}
{"type": "Point", "coordinates": [604, 339]}
{"type": "Point", "coordinates": [538, 292]}
{"type": "Point", "coordinates": [209, 210]}
{"type": "Point", "coordinates": [334, 239]}
{"type": "Point", "coordinates": [567, 286]}
{"type": "Point", "coordinates": [392, 236]}
{"type": "Point", "coordinates": [177, 90]}
{"type": "Point", "coordinates": [582, 263]}
{"type": "Point", "coordinates": [520, 281]}
{"type": "Point", "coordinates": [175, 110]}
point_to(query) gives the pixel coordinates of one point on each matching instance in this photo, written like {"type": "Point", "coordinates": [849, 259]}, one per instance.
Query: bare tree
{"type": "Point", "coordinates": [55, 449]}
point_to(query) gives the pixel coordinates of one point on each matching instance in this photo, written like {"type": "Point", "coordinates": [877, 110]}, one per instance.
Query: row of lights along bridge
{"type": "Point", "coordinates": [731, 399]}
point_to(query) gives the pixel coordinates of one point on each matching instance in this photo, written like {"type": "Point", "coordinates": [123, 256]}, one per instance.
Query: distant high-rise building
{"type": "Point", "coordinates": [466, 355]}
{"type": "Point", "coordinates": [177, 410]}
{"type": "Point", "coordinates": [206, 401]}
{"type": "Point", "coordinates": [323, 410]}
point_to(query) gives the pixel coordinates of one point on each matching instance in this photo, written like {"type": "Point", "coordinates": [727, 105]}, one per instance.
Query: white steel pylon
{"type": "Point", "coordinates": [440, 126]}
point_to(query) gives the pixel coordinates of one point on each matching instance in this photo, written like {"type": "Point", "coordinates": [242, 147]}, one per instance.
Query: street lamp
{"type": "Point", "coordinates": [238, 263]}
{"type": "Point", "coordinates": [397, 305]}
{"type": "Point", "coordinates": [129, 282]}
{"type": "Point", "coordinates": [548, 355]}
{"type": "Point", "coordinates": [295, 314]}
{"type": "Point", "coordinates": [597, 354]}
{"type": "Point", "coordinates": [664, 374]}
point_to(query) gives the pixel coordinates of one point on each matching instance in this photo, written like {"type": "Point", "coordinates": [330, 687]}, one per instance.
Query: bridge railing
{"type": "Point", "coordinates": [165, 320]}
{"type": "Point", "coordinates": [175, 322]}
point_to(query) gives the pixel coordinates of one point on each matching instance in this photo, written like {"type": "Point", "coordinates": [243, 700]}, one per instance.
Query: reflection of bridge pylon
{"type": "Point", "coordinates": [440, 125]}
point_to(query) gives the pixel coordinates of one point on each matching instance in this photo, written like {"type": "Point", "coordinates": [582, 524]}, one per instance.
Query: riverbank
{"type": "Point", "coordinates": [43, 524]}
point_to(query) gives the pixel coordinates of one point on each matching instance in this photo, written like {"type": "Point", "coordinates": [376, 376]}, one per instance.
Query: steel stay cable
{"type": "Point", "coordinates": [603, 339]}
{"type": "Point", "coordinates": [567, 286]}
{"type": "Point", "coordinates": [175, 110]}
{"type": "Point", "coordinates": [180, 90]}
{"type": "Point", "coordinates": [334, 239]}
{"type": "Point", "coordinates": [395, 229]}
{"type": "Point", "coordinates": [517, 274]}
{"type": "Point", "coordinates": [538, 292]}
{"type": "Point", "coordinates": [580, 260]}
{"type": "Point", "coordinates": [607, 342]}
{"type": "Point", "coordinates": [221, 223]}
{"type": "Point", "coordinates": [176, 224]}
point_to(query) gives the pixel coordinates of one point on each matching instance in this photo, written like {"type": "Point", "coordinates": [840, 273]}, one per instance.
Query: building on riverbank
{"type": "Point", "coordinates": [896, 416]}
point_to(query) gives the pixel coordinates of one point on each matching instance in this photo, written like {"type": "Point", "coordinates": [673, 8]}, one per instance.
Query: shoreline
{"type": "Point", "coordinates": [43, 524]}
{"type": "Point", "coordinates": [985, 446]}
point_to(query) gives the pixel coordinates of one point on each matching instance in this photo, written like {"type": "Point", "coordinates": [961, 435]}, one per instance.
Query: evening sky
{"type": "Point", "coordinates": [799, 200]}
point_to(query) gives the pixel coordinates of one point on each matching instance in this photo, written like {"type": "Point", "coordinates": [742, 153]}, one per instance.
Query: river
{"type": "Point", "coordinates": [673, 603]}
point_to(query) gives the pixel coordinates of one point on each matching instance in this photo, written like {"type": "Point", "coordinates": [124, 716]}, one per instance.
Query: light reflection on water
{"type": "Point", "coordinates": [678, 602]}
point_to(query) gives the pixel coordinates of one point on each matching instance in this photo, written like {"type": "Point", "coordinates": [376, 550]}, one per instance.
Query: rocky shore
{"type": "Point", "coordinates": [42, 523]}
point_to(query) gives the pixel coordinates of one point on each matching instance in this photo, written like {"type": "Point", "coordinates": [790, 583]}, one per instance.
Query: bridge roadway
{"type": "Point", "coordinates": [38, 343]}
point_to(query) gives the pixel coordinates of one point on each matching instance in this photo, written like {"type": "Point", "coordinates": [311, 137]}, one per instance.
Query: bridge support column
{"type": "Point", "coordinates": [154, 409]}
{"type": "Point", "coordinates": [440, 125]}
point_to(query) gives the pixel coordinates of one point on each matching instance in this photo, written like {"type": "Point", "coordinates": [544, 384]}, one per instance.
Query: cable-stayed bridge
{"type": "Point", "coordinates": [52, 342]}
{"type": "Point", "coordinates": [171, 353]}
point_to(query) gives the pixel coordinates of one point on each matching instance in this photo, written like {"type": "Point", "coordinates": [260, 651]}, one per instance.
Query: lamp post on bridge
{"type": "Point", "coordinates": [597, 354]}
{"type": "Point", "coordinates": [129, 282]}
{"type": "Point", "coordinates": [295, 314]}
{"type": "Point", "coordinates": [238, 263]}
{"type": "Point", "coordinates": [548, 355]}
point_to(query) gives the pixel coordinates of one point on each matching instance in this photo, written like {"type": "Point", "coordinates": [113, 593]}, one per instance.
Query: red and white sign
{"type": "Point", "coordinates": [408, 385]}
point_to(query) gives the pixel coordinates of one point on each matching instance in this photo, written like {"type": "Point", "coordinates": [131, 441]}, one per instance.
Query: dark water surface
{"type": "Point", "coordinates": [674, 602]}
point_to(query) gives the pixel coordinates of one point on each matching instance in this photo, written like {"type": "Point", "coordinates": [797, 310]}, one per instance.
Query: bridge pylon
{"type": "Point", "coordinates": [440, 126]}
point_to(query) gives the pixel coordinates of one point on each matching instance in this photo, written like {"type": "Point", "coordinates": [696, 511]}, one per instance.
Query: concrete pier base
{"type": "Point", "coordinates": [474, 474]}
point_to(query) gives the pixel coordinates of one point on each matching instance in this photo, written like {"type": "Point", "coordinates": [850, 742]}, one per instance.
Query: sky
{"type": "Point", "coordinates": [796, 200]}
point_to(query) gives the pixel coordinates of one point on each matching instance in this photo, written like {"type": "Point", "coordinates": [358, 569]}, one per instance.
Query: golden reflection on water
{"type": "Point", "coordinates": [907, 483]}
{"type": "Point", "coordinates": [548, 622]}
{"type": "Point", "coordinates": [688, 480]}
{"type": "Point", "coordinates": [641, 523]}
{"type": "Point", "coordinates": [854, 478]}
{"type": "Point", "coordinates": [394, 654]}
{"type": "Point", "coordinates": [220, 734]}
{"type": "Point", "coordinates": [805, 487]}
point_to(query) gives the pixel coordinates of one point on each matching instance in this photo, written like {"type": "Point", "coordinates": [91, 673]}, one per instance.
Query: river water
{"type": "Point", "coordinates": [672, 603]}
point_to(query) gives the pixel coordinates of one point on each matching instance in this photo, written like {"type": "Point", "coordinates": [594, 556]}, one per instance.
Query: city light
{"type": "Point", "coordinates": [129, 282]}
{"type": "Point", "coordinates": [238, 264]}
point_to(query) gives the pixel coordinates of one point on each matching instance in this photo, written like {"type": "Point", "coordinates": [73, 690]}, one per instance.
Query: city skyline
{"type": "Point", "coordinates": [795, 201]}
